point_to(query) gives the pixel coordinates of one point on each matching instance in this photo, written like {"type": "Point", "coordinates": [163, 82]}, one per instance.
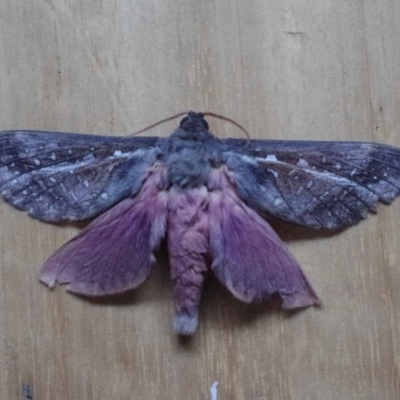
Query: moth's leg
{"type": "Point", "coordinates": [188, 247]}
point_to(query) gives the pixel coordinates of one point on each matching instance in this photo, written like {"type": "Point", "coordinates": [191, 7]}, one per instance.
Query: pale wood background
{"type": "Point", "coordinates": [291, 69]}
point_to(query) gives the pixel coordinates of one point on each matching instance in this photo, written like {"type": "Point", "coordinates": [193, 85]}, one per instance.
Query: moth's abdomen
{"type": "Point", "coordinates": [188, 247]}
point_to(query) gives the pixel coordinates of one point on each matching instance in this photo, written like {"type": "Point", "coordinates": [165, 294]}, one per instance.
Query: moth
{"type": "Point", "coordinates": [210, 199]}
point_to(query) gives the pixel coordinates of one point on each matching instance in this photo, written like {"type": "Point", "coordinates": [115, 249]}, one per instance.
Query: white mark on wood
{"type": "Point", "coordinates": [213, 391]}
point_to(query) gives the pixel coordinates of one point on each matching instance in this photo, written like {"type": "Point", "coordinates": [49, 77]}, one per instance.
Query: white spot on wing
{"type": "Point", "coordinates": [302, 163]}
{"type": "Point", "coordinates": [274, 173]}
{"type": "Point", "coordinates": [137, 153]}
{"type": "Point", "coordinates": [104, 195]}
{"type": "Point", "coordinates": [324, 195]}
{"type": "Point", "coordinates": [271, 158]}
{"type": "Point", "coordinates": [250, 160]}
{"type": "Point", "coordinates": [53, 156]}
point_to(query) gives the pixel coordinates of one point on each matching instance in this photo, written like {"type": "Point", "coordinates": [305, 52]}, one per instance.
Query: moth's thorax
{"type": "Point", "coordinates": [189, 155]}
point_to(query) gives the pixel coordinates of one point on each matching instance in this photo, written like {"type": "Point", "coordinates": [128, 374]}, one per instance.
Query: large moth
{"type": "Point", "coordinates": [208, 197]}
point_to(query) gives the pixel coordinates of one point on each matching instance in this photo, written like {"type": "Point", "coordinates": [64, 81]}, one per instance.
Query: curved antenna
{"type": "Point", "coordinates": [207, 113]}
{"type": "Point", "coordinates": [233, 122]}
{"type": "Point", "coordinates": [158, 123]}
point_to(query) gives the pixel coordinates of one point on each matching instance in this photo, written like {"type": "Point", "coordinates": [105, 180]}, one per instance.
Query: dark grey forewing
{"type": "Point", "coordinates": [64, 176]}
{"type": "Point", "coordinates": [316, 184]}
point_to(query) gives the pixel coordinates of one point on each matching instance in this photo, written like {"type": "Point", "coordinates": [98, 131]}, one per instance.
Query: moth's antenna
{"type": "Point", "coordinates": [158, 123]}
{"type": "Point", "coordinates": [208, 113]}
{"type": "Point", "coordinates": [219, 116]}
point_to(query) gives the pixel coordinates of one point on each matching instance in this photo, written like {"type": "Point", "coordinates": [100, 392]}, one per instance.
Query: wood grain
{"type": "Point", "coordinates": [292, 69]}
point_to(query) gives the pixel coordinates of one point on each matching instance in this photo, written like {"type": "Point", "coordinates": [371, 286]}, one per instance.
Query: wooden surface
{"type": "Point", "coordinates": [291, 69]}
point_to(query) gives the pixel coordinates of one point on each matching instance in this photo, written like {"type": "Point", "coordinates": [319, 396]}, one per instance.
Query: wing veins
{"type": "Point", "coordinates": [329, 190]}
{"type": "Point", "coordinates": [349, 180]}
{"type": "Point", "coordinates": [369, 172]}
{"type": "Point", "coordinates": [352, 181]}
{"type": "Point", "coordinates": [40, 167]}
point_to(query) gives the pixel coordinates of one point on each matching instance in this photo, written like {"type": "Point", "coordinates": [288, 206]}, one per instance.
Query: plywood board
{"type": "Point", "coordinates": [295, 69]}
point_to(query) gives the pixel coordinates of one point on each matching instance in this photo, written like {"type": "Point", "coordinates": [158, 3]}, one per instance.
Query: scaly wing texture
{"type": "Point", "coordinates": [63, 176]}
{"type": "Point", "coordinates": [317, 184]}
{"type": "Point", "coordinates": [249, 258]}
{"type": "Point", "coordinates": [115, 252]}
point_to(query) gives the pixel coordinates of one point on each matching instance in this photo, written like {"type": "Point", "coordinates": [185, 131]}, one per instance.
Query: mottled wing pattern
{"type": "Point", "coordinates": [316, 184]}
{"type": "Point", "coordinates": [63, 176]}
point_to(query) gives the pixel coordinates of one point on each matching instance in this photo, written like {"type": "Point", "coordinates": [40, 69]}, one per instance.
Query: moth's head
{"type": "Point", "coordinates": [193, 122]}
